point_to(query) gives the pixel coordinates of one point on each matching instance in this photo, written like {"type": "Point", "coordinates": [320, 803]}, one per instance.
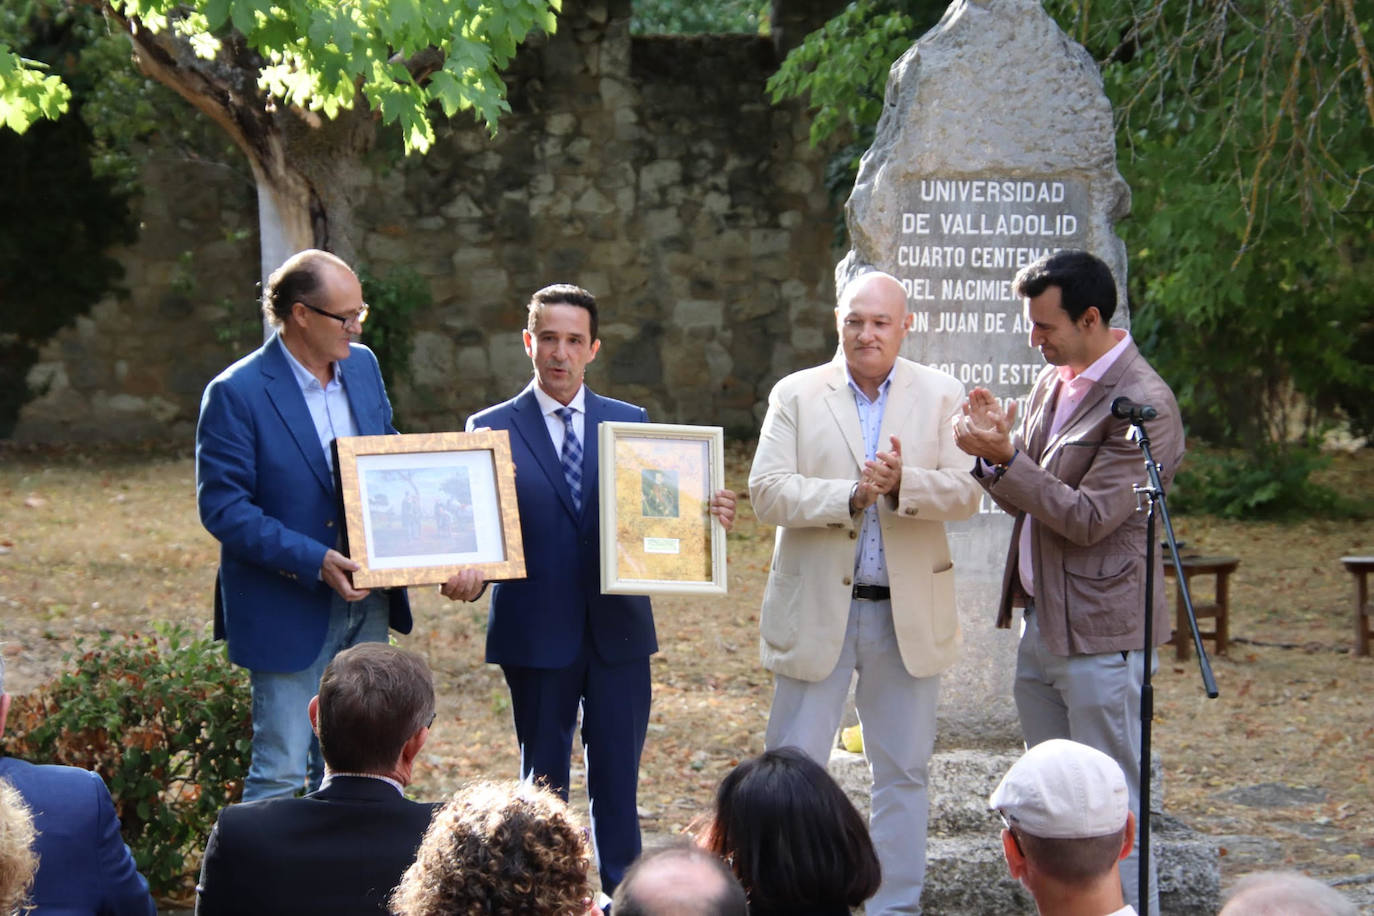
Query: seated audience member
{"type": "Point", "coordinates": [340, 849]}
{"type": "Point", "coordinates": [17, 860]}
{"type": "Point", "coordinates": [680, 880]}
{"type": "Point", "coordinates": [1284, 893]}
{"type": "Point", "coordinates": [499, 847]}
{"type": "Point", "coordinates": [793, 837]}
{"type": "Point", "coordinates": [1069, 823]}
{"type": "Point", "coordinates": [83, 864]}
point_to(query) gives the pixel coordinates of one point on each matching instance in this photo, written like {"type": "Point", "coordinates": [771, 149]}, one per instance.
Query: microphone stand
{"type": "Point", "coordinates": [1154, 492]}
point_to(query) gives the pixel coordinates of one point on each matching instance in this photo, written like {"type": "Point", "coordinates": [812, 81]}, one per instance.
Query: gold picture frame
{"type": "Point", "coordinates": [658, 536]}
{"type": "Point", "coordinates": [420, 507]}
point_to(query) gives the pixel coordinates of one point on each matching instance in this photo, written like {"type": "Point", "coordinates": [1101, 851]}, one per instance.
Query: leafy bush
{"type": "Point", "coordinates": [166, 722]}
{"type": "Point", "coordinates": [60, 220]}
{"type": "Point", "coordinates": [670, 17]}
{"type": "Point", "coordinates": [394, 299]}
{"type": "Point", "coordinates": [1268, 483]}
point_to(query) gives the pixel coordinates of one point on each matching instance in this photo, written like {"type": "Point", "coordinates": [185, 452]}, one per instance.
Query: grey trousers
{"type": "Point", "coordinates": [1094, 700]}
{"type": "Point", "coordinates": [897, 712]}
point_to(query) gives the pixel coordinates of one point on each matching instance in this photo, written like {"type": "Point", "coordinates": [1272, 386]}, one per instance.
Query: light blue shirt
{"type": "Point", "coordinates": [328, 404]}
{"type": "Point", "coordinates": [870, 563]}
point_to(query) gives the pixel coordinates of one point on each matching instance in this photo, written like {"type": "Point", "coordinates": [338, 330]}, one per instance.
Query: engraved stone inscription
{"type": "Point", "coordinates": [961, 242]}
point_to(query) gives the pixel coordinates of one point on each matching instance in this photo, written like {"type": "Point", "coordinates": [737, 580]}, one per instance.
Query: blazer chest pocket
{"type": "Point", "coordinates": [1073, 460]}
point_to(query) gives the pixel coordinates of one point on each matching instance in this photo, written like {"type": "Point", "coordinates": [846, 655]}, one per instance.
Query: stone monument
{"type": "Point", "coordinates": [995, 146]}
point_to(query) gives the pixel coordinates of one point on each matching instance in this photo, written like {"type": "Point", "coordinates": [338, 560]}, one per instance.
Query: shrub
{"type": "Point", "coordinates": [1265, 483]}
{"type": "Point", "coordinates": [166, 722]}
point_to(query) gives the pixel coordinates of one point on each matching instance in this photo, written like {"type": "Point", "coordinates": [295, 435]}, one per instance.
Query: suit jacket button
{"type": "Point", "coordinates": [910, 510]}
{"type": "Point", "coordinates": [848, 581]}
{"type": "Point", "coordinates": [853, 535]}
{"type": "Point", "coordinates": [329, 524]}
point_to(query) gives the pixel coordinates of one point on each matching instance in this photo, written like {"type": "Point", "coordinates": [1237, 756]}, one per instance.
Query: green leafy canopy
{"type": "Point", "coordinates": [27, 93]}
{"type": "Point", "coordinates": [325, 57]}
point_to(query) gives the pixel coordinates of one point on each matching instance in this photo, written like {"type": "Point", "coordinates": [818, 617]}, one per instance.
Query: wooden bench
{"type": "Point", "coordinates": [1359, 567]}
{"type": "Point", "coordinates": [1217, 609]}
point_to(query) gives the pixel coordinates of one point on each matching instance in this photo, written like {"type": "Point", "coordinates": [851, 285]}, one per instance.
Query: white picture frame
{"type": "Point", "coordinates": [658, 536]}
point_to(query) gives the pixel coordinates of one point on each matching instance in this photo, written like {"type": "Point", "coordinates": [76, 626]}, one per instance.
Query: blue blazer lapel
{"type": "Point", "coordinates": [529, 421]}
{"type": "Point", "coordinates": [360, 384]}
{"type": "Point", "coordinates": [591, 444]}
{"type": "Point", "coordinates": [285, 394]}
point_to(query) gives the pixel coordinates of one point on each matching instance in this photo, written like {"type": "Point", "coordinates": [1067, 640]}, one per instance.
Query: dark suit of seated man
{"type": "Point", "coordinates": [84, 868]}
{"type": "Point", "coordinates": [341, 849]}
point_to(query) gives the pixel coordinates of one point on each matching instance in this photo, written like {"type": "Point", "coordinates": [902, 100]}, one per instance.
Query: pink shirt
{"type": "Point", "coordinates": [1072, 390]}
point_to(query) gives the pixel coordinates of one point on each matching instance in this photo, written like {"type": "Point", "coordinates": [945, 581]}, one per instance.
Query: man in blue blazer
{"type": "Point", "coordinates": [265, 488]}
{"type": "Point", "coordinates": [84, 868]}
{"type": "Point", "coordinates": [560, 642]}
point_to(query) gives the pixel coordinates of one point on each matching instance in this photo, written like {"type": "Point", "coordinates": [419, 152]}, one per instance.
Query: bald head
{"type": "Point", "coordinates": [874, 283]}
{"type": "Point", "coordinates": [301, 278]}
{"type": "Point", "coordinates": [1285, 893]}
{"type": "Point", "coordinates": [679, 881]}
{"type": "Point", "coordinates": [872, 319]}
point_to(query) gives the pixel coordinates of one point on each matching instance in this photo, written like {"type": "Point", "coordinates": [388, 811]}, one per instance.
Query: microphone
{"type": "Point", "coordinates": [1124, 408]}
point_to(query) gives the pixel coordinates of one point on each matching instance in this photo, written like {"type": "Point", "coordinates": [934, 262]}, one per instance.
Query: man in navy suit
{"type": "Point", "coordinates": [265, 488]}
{"type": "Point", "coordinates": [83, 865]}
{"type": "Point", "coordinates": [560, 642]}
{"type": "Point", "coordinates": [341, 850]}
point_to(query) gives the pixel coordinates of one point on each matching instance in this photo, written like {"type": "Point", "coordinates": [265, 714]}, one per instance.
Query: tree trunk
{"type": "Point", "coordinates": [309, 171]}
{"type": "Point", "coordinates": [309, 180]}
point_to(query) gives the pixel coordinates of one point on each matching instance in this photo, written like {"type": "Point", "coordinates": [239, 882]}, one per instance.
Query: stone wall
{"type": "Point", "coordinates": [653, 171]}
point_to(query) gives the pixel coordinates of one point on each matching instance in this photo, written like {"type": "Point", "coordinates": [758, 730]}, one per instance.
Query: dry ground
{"type": "Point", "coordinates": [1285, 755]}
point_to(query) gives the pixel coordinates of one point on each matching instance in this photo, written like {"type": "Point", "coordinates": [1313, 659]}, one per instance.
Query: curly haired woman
{"type": "Point", "coordinates": [500, 848]}
{"type": "Point", "coordinates": [17, 859]}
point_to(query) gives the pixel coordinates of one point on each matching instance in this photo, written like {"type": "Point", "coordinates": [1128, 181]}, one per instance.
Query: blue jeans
{"type": "Point", "coordinates": [285, 750]}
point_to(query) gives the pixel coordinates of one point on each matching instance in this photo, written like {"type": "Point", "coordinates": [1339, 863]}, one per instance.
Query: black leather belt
{"type": "Point", "coordinates": [872, 592]}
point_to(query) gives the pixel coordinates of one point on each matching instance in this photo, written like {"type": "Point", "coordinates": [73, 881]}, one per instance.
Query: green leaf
{"type": "Point", "coordinates": [216, 13]}
{"type": "Point", "coordinates": [242, 13]}
{"type": "Point", "coordinates": [27, 94]}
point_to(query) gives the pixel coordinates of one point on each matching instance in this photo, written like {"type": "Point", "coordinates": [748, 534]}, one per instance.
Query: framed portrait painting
{"type": "Point", "coordinates": [420, 507]}
{"type": "Point", "coordinates": [657, 532]}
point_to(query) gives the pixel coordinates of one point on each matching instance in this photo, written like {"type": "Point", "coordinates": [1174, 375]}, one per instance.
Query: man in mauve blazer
{"type": "Point", "coordinates": [265, 489]}
{"type": "Point", "coordinates": [1077, 556]}
{"type": "Point", "coordinates": [84, 868]}
{"type": "Point", "coordinates": [338, 851]}
{"type": "Point", "coordinates": [856, 465]}
{"type": "Point", "coordinates": [560, 642]}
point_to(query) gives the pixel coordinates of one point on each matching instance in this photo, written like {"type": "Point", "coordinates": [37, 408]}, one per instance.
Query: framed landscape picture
{"type": "Point", "coordinates": [420, 507]}
{"type": "Point", "coordinates": [657, 532]}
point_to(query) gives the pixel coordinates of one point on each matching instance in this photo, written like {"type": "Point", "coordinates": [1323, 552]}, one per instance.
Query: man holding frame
{"type": "Point", "coordinates": [284, 599]}
{"type": "Point", "coordinates": [561, 643]}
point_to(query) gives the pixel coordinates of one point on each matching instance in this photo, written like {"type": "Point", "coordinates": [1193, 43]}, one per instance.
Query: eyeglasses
{"type": "Point", "coordinates": [357, 317]}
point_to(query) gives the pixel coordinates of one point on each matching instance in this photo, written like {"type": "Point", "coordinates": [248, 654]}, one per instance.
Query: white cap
{"type": "Point", "coordinates": [1061, 789]}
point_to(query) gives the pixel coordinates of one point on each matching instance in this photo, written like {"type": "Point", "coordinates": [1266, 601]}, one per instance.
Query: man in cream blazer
{"type": "Point", "coordinates": [857, 467]}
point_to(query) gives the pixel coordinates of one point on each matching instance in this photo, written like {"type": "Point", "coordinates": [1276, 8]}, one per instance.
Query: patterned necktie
{"type": "Point", "coordinates": [571, 457]}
